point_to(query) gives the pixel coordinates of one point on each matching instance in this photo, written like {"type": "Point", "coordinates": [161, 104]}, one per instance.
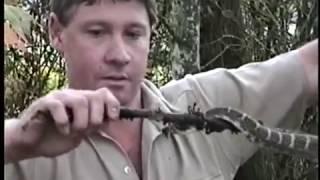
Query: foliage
{"type": "Point", "coordinates": [233, 32]}
{"type": "Point", "coordinates": [33, 70]}
{"type": "Point", "coordinates": [17, 27]}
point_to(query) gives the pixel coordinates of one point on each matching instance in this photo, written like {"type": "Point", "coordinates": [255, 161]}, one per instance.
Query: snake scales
{"type": "Point", "coordinates": [305, 145]}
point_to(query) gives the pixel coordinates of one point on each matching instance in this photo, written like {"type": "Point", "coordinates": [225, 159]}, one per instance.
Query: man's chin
{"type": "Point", "coordinates": [113, 87]}
{"type": "Point", "coordinates": [123, 98]}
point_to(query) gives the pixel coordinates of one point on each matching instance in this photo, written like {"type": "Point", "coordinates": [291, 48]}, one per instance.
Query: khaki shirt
{"type": "Point", "coordinates": [272, 91]}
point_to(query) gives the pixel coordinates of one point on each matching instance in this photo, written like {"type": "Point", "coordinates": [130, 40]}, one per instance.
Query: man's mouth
{"type": "Point", "coordinates": [116, 77]}
{"type": "Point", "coordinates": [115, 81]}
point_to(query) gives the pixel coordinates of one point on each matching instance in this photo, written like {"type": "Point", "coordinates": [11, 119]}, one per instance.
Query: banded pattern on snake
{"type": "Point", "coordinates": [305, 145]}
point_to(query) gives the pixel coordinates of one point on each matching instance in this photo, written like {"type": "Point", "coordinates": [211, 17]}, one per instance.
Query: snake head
{"type": "Point", "coordinates": [218, 124]}
{"type": "Point", "coordinates": [218, 120]}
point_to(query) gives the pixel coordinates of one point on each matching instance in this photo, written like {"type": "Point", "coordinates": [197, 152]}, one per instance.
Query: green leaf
{"type": "Point", "coordinates": [19, 20]}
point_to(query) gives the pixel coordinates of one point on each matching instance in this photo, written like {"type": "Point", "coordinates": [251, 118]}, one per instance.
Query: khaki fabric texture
{"type": "Point", "coordinates": [272, 91]}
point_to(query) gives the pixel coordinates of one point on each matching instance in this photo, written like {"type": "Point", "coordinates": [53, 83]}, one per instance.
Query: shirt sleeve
{"type": "Point", "coordinates": [273, 91]}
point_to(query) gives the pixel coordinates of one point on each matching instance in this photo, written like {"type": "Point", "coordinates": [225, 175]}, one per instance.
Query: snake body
{"type": "Point", "coordinates": [285, 141]}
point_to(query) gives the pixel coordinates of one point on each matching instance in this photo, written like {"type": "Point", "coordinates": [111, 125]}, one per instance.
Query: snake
{"type": "Point", "coordinates": [226, 118]}
{"type": "Point", "coordinates": [282, 140]}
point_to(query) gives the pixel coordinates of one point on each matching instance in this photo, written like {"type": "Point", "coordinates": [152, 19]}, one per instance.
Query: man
{"type": "Point", "coordinates": [106, 46]}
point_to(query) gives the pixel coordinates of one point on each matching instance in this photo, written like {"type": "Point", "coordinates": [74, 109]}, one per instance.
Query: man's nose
{"type": "Point", "coordinates": [117, 52]}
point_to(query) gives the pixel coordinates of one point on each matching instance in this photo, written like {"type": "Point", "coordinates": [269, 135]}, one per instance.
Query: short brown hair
{"type": "Point", "coordinates": [64, 9]}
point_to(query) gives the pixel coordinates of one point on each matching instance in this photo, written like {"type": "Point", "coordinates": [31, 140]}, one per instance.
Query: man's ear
{"type": "Point", "coordinates": [55, 32]}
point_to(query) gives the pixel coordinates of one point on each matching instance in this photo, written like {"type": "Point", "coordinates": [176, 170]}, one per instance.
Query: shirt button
{"type": "Point", "coordinates": [127, 169]}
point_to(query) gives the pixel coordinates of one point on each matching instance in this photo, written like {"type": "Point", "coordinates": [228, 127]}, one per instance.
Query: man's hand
{"type": "Point", "coordinates": [308, 54]}
{"type": "Point", "coordinates": [54, 136]}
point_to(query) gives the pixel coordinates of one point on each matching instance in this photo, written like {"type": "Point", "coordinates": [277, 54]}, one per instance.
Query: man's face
{"type": "Point", "coordinates": [106, 45]}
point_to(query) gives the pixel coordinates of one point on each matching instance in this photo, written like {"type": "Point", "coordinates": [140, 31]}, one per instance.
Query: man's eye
{"type": "Point", "coordinates": [133, 35]}
{"type": "Point", "coordinates": [95, 32]}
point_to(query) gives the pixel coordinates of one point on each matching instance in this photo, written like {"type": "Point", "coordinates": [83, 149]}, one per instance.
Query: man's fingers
{"type": "Point", "coordinates": [59, 114]}
{"type": "Point", "coordinates": [112, 105]}
{"type": "Point", "coordinates": [96, 112]}
{"type": "Point", "coordinates": [77, 110]}
{"type": "Point", "coordinates": [76, 107]}
{"type": "Point", "coordinates": [80, 107]}
{"type": "Point", "coordinates": [46, 109]}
